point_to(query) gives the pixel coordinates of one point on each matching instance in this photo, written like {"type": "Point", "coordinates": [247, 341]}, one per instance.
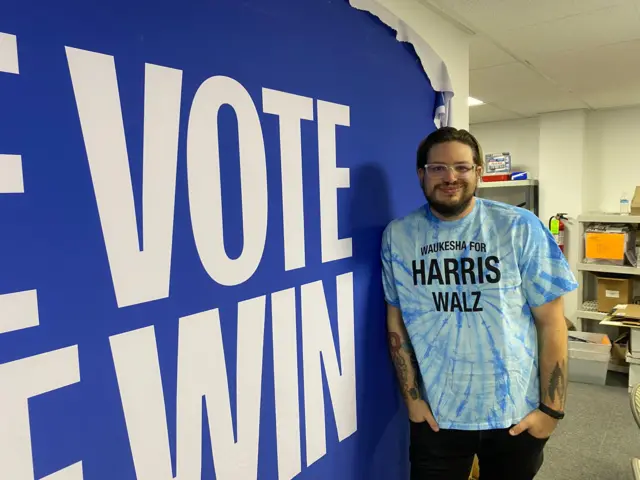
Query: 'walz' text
{"type": "Point", "coordinates": [457, 271]}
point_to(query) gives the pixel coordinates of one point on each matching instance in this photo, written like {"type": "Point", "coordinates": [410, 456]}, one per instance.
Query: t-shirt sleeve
{"type": "Point", "coordinates": [544, 269]}
{"type": "Point", "coordinates": [388, 278]}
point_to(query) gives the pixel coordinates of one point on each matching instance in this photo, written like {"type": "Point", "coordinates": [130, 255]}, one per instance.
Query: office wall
{"type": "Point", "coordinates": [520, 137]}
{"type": "Point", "coordinates": [610, 165]}
{"type": "Point", "coordinates": [585, 161]}
{"type": "Point", "coordinates": [612, 157]}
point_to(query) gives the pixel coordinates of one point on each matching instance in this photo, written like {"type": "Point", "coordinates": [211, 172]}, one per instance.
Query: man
{"type": "Point", "coordinates": [475, 318]}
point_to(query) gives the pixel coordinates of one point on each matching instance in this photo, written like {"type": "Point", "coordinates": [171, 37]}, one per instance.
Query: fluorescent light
{"type": "Point", "coordinates": [474, 101]}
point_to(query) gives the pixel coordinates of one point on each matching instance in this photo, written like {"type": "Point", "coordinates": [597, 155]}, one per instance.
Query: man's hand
{"type": "Point", "coordinates": [539, 424]}
{"type": "Point", "coordinates": [420, 412]}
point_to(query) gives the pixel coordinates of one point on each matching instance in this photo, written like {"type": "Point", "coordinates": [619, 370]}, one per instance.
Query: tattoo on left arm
{"type": "Point", "coordinates": [557, 384]}
{"type": "Point", "coordinates": [553, 370]}
{"type": "Point", "coordinates": [553, 352]}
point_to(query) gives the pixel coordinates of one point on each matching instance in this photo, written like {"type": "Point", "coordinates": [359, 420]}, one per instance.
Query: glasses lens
{"type": "Point", "coordinates": [437, 170]}
{"type": "Point", "coordinates": [463, 170]}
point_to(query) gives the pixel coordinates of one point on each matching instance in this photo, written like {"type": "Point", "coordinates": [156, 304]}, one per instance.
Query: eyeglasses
{"type": "Point", "coordinates": [440, 170]}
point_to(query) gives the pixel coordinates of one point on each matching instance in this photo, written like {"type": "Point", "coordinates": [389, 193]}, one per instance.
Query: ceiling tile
{"type": "Point", "coordinates": [614, 97]}
{"type": "Point", "coordinates": [536, 103]}
{"type": "Point", "coordinates": [596, 71]}
{"type": "Point", "coordinates": [484, 53]}
{"type": "Point", "coordinates": [501, 14]}
{"type": "Point", "coordinates": [489, 113]}
{"type": "Point", "coordinates": [507, 81]}
{"type": "Point", "coordinates": [580, 32]}
{"type": "Point", "coordinates": [536, 56]}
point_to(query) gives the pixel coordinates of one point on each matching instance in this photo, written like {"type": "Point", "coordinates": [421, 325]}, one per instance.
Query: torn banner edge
{"type": "Point", "coordinates": [433, 65]}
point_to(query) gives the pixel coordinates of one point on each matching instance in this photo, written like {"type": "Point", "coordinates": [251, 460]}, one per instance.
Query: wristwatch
{"type": "Point", "coordinates": [551, 412]}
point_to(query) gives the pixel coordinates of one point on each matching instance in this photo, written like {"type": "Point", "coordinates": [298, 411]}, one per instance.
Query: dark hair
{"type": "Point", "coordinates": [444, 135]}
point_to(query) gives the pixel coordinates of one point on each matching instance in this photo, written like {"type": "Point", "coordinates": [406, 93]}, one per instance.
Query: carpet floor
{"type": "Point", "coordinates": [598, 436]}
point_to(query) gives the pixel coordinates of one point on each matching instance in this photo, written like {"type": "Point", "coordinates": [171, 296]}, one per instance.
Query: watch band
{"type": "Point", "coordinates": [551, 412]}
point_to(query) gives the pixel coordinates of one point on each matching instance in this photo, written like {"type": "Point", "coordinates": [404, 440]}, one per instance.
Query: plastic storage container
{"type": "Point", "coordinates": [589, 361]}
{"type": "Point", "coordinates": [634, 370]}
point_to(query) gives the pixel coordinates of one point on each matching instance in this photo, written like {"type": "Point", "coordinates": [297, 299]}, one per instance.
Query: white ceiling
{"type": "Point", "coordinates": [534, 56]}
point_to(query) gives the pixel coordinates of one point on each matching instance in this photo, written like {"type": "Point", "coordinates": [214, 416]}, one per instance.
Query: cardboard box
{"type": "Point", "coordinates": [610, 244]}
{"type": "Point", "coordinates": [628, 316]}
{"type": "Point", "coordinates": [624, 312]}
{"type": "Point", "coordinates": [620, 349]}
{"type": "Point", "coordinates": [635, 202]}
{"type": "Point", "coordinates": [613, 291]}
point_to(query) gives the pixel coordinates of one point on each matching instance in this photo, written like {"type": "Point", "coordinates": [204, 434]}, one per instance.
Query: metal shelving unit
{"type": "Point", "coordinates": [527, 187]}
{"type": "Point", "coordinates": [592, 267]}
{"type": "Point", "coordinates": [608, 218]}
{"type": "Point", "coordinates": [585, 269]}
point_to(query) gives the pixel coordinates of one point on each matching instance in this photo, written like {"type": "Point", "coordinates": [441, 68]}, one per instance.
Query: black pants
{"type": "Point", "coordinates": [448, 454]}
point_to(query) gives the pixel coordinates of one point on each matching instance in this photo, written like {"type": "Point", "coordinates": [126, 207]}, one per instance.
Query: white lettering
{"type": "Point", "coordinates": [9, 54]}
{"type": "Point", "coordinates": [285, 376]}
{"type": "Point", "coordinates": [18, 311]}
{"type": "Point", "coordinates": [72, 472]}
{"type": "Point", "coordinates": [205, 194]}
{"type": "Point", "coordinates": [317, 342]}
{"type": "Point", "coordinates": [201, 373]}
{"type": "Point", "coordinates": [331, 178]}
{"type": "Point", "coordinates": [22, 380]}
{"type": "Point", "coordinates": [291, 109]}
{"type": "Point", "coordinates": [135, 357]}
{"type": "Point", "coordinates": [138, 275]}
{"type": "Point", "coordinates": [10, 165]}
{"type": "Point", "coordinates": [11, 180]}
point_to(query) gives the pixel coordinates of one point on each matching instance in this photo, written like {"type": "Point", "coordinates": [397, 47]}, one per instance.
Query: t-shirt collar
{"type": "Point", "coordinates": [452, 223]}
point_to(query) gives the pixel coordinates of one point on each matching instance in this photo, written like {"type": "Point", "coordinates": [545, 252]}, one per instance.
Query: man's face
{"type": "Point", "coordinates": [450, 178]}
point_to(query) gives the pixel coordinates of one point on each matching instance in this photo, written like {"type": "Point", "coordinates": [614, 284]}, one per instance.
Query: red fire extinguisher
{"type": "Point", "coordinates": [556, 226]}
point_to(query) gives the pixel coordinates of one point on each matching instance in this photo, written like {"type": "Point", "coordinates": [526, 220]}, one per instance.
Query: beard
{"type": "Point", "coordinates": [449, 207]}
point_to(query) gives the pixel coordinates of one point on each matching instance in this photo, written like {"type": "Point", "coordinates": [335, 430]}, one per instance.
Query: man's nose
{"type": "Point", "coordinates": [449, 176]}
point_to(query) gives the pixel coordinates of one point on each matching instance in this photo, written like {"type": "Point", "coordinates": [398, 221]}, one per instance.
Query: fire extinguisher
{"type": "Point", "coordinates": [556, 226]}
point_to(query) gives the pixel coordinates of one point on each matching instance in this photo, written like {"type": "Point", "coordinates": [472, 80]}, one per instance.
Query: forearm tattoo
{"type": "Point", "coordinates": [410, 390]}
{"type": "Point", "coordinates": [557, 384]}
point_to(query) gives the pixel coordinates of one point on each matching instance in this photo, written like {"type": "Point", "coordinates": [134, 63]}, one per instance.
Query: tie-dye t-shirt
{"type": "Point", "coordinates": [465, 289]}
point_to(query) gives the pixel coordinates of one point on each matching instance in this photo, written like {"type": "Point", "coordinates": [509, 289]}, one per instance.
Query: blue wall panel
{"type": "Point", "coordinates": [52, 237]}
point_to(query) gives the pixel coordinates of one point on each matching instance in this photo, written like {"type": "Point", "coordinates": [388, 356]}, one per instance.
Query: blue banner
{"type": "Point", "coordinates": [191, 198]}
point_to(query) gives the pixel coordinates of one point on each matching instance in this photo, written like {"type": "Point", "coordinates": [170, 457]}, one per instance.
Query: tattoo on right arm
{"type": "Point", "coordinates": [399, 351]}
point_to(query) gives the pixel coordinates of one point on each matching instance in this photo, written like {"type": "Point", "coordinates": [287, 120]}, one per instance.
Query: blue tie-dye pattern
{"type": "Point", "coordinates": [467, 393]}
{"type": "Point", "coordinates": [561, 283]}
{"type": "Point", "coordinates": [501, 372]}
{"type": "Point", "coordinates": [479, 369]}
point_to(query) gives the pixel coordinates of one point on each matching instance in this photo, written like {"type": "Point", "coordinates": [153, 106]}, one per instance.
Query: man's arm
{"type": "Point", "coordinates": [407, 369]}
{"type": "Point", "coordinates": [553, 353]}
{"type": "Point", "coordinates": [553, 359]}
{"type": "Point", "coordinates": [403, 356]}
